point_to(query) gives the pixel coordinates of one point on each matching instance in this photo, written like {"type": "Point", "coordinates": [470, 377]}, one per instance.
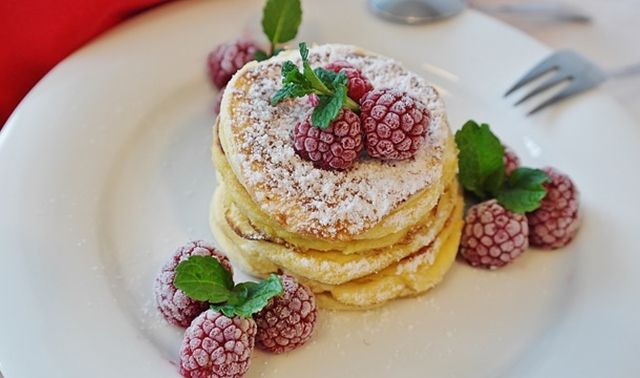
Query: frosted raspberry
{"type": "Point", "coordinates": [493, 236]}
{"type": "Point", "coordinates": [511, 160]}
{"type": "Point", "coordinates": [217, 346]}
{"type": "Point", "coordinates": [228, 58]}
{"type": "Point", "coordinates": [313, 100]}
{"type": "Point", "coordinates": [334, 148]}
{"type": "Point", "coordinates": [358, 84]}
{"type": "Point", "coordinates": [555, 223]}
{"type": "Point", "coordinates": [288, 321]}
{"type": "Point", "coordinates": [176, 307]}
{"type": "Point", "coordinates": [395, 124]}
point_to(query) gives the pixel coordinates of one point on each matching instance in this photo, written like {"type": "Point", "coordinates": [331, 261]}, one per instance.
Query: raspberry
{"type": "Point", "coordinates": [336, 147]}
{"type": "Point", "coordinates": [395, 124]}
{"type": "Point", "coordinates": [493, 236]}
{"type": "Point", "coordinates": [287, 322]}
{"type": "Point", "coordinates": [511, 160]}
{"type": "Point", "coordinates": [228, 58]}
{"type": "Point", "coordinates": [313, 100]}
{"type": "Point", "coordinates": [358, 84]}
{"type": "Point", "coordinates": [176, 307]}
{"type": "Point", "coordinates": [217, 346]}
{"type": "Point", "coordinates": [555, 223]}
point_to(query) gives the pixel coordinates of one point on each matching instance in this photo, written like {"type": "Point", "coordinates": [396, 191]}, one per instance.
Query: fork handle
{"type": "Point", "coordinates": [629, 70]}
{"type": "Point", "coordinates": [553, 11]}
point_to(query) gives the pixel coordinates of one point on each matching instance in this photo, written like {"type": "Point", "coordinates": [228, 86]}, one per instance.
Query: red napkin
{"type": "Point", "coordinates": [36, 34]}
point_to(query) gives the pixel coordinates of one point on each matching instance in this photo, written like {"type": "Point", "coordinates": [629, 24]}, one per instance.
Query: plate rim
{"type": "Point", "coordinates": [12, 127]}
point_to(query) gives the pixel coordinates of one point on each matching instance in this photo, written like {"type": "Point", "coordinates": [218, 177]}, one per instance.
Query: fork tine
{"type": "Point", "coordinates": [576, 86]}
{"type": "Point", "coordinates": [541, 68]}
{"type": "Point", "coordinates": [552, 81]}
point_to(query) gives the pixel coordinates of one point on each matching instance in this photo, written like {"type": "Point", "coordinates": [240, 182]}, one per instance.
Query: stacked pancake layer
{"type": "Point", "coordinates": [358, 238]}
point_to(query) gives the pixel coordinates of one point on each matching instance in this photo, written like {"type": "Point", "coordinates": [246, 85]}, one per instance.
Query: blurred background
{"type": "Point", "coordinates": [36, 34]}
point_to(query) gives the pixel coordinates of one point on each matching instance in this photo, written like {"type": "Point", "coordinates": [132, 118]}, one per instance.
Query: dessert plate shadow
{"type": "Point", "coordinates": [105, 169]}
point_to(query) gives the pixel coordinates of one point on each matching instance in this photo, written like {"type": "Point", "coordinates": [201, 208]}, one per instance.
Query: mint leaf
{"type": "Point", "coordinates": [290, 74]}
{"type": "Point", "coordinates": [260, 55]}
{"type": "Point", "coordinates": [280, 20]}
{"type": "Point", "coordinates": [480, 159]}
{"type": "Point", "coordinates": [289, 90]}
{"type": "Point", "coordinates": [524, 190]}
{"type": "Point", "coordinates": [330, 87]}
{"type": "Point", "coordinates": [326, 76]}
{"type": "Point", "coordinates": [203, 278]}
{"type": "Point", "coordinates": [239, 295]}
{"type": "Point", "coordinates": [289, 70]}
{"type": "Point", "coordinates": [329, 106]}
{"type": "Point", "coordinates": [295, 84]}
{"type": "Point", "coordinates": [259, 296]}
{"type": "Point", "coordinates": [247, 298]}
{"type": "Point", "coordinates": [304, 51]}
{"type": "Point", "coordinates": [309, 73]}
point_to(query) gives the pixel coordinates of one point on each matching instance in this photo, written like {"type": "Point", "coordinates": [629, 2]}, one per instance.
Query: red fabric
{"type": "Point", "coordinates": [36, 34]}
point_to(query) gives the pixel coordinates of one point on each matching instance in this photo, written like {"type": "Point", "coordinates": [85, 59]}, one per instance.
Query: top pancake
{"type": "Point", "coordinates": [256, 138]}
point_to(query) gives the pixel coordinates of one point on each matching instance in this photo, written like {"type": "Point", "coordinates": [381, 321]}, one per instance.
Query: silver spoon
{"type": "Point", "coordinates": [416, 11]}
{"type": "Point", "coordinates": [422, 11]}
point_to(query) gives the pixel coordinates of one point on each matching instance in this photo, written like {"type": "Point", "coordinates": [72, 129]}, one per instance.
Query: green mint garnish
{"type": "Point", "coordinates": [330, 87]}
{"type": "Point", "coordinates": [251, 297]}
{"type": "Point", "coordinates": [481, 164]}
{"type": "Point", "coordinates": [280, 21]}
{"type": "Point", "coordinates": [260, 56]}
{"type": "Point", "coordinates": [482, 171]}
{"type": "Point", "coordinates": [523, 190]}
{"type": "Point", "coordinates": [329, 106]}
{"type": "Point", "coordinates": [325, 76]}
{"type": "Point", "coordinates": [203, 278]}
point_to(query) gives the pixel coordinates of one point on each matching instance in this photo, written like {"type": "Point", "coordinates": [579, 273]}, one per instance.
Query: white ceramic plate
{"type": "Point", "coordinates": [104, 170]}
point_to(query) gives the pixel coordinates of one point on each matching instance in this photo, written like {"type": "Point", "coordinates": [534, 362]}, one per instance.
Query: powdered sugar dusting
{"type": "Point", "coordinates": [309, 200]}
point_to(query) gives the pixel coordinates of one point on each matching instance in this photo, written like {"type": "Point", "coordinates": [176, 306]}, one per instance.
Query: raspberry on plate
{"type": "Point", "coordinates": [555, 223]}
{"type": "Point", "coordinates": [493, 236]}
{"type": "Point", "coordinates": [217, 346]}
{"type": "Point", "coordinates": [228, 58]}
{"type": "Point", "coordinates": [176, 307]}
{"type": "Point", "coordinates": [511, 160]}
{"type": "Point", "coordinates": [394, 123]}
{"type": "Point", "coordinates": [287, 322]}
{"type": "Point", "coordinates": [358, 84]}
{"type": "Point", "coordinates": [334, 148]}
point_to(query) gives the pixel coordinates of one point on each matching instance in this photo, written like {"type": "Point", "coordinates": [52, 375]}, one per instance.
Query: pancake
{"type": "Point", "coordinates": [418, 272]}
{"type": "Point", "coordinates": [392, 229]}
{"type": "Point", "coordinates": [358, 238]}
{"type": "Point", "coordinates": [329, 267]}
{"type": "Point", "coordinates": [377, 292]}
{"type": "Point", "coordinates": [328, 205]}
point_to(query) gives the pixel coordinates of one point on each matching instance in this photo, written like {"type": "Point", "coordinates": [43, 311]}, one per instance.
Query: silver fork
{"type": "Point", "coordinates": [569, 66]}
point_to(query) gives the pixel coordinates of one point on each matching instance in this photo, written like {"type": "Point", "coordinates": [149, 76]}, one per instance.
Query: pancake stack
{"type": "Point", "coordinates": [358, 238]}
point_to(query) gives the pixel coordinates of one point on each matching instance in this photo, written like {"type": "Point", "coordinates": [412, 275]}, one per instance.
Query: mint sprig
{"type": "Point", "coordinates": [330, 87]}
{"type": "Point", "coordinates": [203, 278]}
{"type": "Point", "coordinates": [523, 190]}
{"type": "Point", "coordinates": [481, 164]}
{"type": "Point", "coordinates": [329, 107]}
{"type": "Point", "coordinates": [280, 22]}
{"type": "Point", "coordinates": [250, 297]}
{"type": "Point", "coordinates": [482, 171]}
